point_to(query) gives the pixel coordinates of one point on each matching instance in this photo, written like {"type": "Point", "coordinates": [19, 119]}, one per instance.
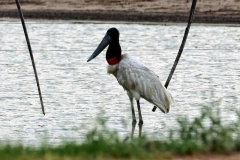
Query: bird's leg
{"type": "Point", "coordinates": [140, 119]}
{"type": "Point", "coordinates": [133, 113]}
{"type": "Point", "coordinates": [140, 130]}
{"type": "Point", "coordinates": [133, 128]}
{"type": "Point", "coordinates": [132, 108]}
{"type": "Point", "coordinates": [139, 113]}
{"type": "Point", "coordinates": [133, 118]}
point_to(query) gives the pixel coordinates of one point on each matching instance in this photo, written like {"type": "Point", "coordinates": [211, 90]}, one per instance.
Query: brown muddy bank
{"type": "Point", "coordinates": [207, 11]}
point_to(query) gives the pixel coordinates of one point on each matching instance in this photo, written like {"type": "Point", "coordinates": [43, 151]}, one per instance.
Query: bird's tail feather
{"type": "Point", "coordinates": [166, 102]}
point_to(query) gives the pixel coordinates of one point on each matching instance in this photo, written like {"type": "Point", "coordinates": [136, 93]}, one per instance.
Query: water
{"type": "Point", "coordinates": [75, 92]}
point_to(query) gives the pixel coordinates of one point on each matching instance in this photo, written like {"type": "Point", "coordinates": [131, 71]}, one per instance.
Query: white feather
{"type": "Point", "coordinates": [141, 82]}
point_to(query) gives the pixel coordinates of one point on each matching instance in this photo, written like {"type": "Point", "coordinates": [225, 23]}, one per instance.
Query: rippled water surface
{"type": "Point", "coordinates": [75, 92]}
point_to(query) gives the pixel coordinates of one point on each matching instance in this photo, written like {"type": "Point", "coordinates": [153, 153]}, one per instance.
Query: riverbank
{"type": "Point", "coordinates": [192, 141]}
{"type": "Point", "coordinates": [207, 11]}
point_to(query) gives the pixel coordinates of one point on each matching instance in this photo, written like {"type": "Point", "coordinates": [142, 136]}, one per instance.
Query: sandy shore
{"type": "Point", "coordinates": [207, 11]}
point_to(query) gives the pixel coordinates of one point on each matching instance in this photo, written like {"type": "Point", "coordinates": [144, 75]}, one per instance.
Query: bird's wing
{"type": "Point", "coordinates": [139, 80]}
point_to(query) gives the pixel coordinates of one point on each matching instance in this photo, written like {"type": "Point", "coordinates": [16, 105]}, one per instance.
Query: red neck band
{"type": "Point", "coordinates": [113, 61]}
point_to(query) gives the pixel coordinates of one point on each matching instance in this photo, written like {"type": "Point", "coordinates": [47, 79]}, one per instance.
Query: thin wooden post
{"type": "Point", "coordinates": [31, 54]}
{"type": "Point", "coordinates": [194, 2]}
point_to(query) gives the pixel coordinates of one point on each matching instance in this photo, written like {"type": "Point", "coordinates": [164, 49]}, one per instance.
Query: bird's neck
{"type": "Point", "coordinates": [113, 55]}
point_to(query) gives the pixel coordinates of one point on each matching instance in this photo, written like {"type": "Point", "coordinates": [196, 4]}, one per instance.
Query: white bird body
{"type": "Point", "coordinates": [134, 77]}
{"type": "Point", "coordinates": [140, 81]}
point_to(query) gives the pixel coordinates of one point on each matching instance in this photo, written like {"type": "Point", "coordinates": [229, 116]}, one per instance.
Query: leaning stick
{"type": "Point", "coordinates": [194, 2]}
{"type": "Point", "coordinates": [31, 54]}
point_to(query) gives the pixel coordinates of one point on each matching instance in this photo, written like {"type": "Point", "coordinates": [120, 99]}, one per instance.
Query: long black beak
{"type": "Point", "coordinates": [104, 43]}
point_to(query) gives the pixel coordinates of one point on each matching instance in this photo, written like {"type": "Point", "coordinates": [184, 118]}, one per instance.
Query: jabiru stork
{"type": "Point", "coordinates": [134, 77]}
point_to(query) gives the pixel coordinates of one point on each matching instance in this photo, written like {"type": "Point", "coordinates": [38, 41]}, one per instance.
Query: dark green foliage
{"type": "Point", "coordinates": [215, 137]}
{"type": "Point", "coordinates": [205, 133]}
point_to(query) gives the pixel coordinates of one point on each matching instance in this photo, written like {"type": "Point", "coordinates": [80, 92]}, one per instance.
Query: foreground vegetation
{"type": "Point", "coordinates": [192, 137]}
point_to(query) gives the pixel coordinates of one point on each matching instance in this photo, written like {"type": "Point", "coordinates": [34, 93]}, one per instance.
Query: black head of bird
{"type": "Point", "coordinates": [111, 39]}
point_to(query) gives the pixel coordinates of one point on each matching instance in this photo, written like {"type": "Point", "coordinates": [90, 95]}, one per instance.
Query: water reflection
{"type": "Point", "coordinates": [75, 91]}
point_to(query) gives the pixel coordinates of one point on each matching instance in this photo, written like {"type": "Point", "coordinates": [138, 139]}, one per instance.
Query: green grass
{"type": "Point", "coordinates": [192, 137]}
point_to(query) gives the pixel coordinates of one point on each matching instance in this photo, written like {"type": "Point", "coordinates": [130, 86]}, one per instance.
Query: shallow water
{"type": "Point", "coordinates": [75, 92]}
